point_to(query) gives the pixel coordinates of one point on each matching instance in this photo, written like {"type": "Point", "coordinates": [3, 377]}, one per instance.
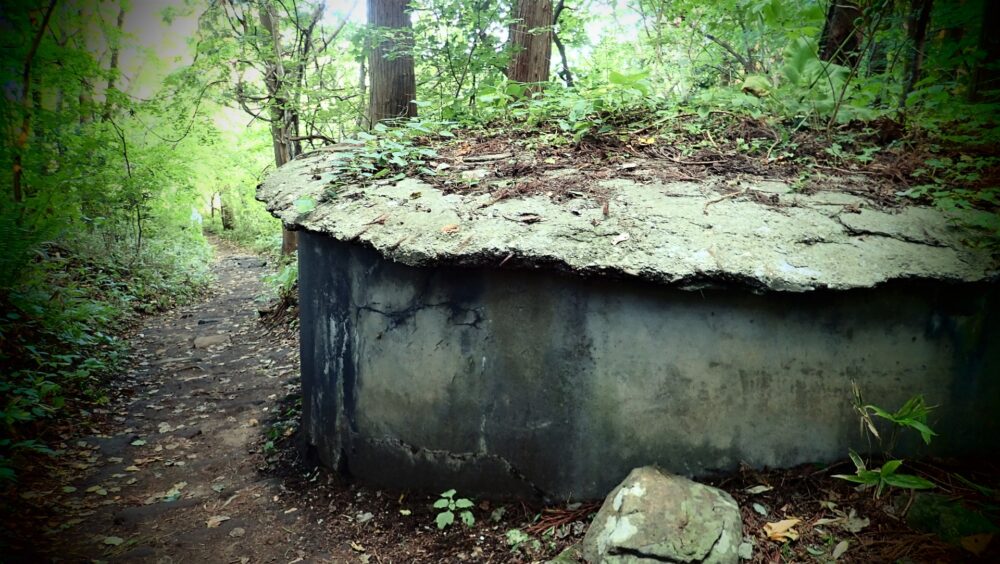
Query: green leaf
{"type": "Point", "coordinates": [305, 205]}
{"type": "Point", "coordinates": [798, 55]}
{"type": "Point", "coordinates": [908, 481]}
{"type": "Point", "coordinates": [463, 503]}
{"type": "Point", "coordinates": [859, 464]}
{"type": "Point", "coordinates": [854, 478]}
{"type": "Point", "coordinates": [890, 468]}
{"type": "Point", "coordinates": [925, 432]}
{"type": "Point", "coordinates": [449, 493]}
{"type": "Point", "coordinates": [757, 85]}
{"type": "Point", "coordinates": [444, 519]}
{"type": "Point", "coordinates": [468, 519]}
{"type": "Point", "coordinates": [441, 504]}
{"type": "Point", "coordinates": [988, 492]}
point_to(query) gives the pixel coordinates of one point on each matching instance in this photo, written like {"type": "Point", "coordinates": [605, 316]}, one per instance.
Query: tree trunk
{"type": "Point", "coordinates": [917, 23]}
{"type": "Point", "coordinates": [393, 85]}
{"type": "Point", "coordinates": [986, 75]}
{"type": "Point", "coordinates": [531, 42]}
{"type": "Point", "coordinates": [21, 141]}
{"type": "Point", "coordinates": [282, 114]}
{"type": "Point", "coordinates": [226, 214]}
{"type": "Point", "coordinates": [362, 121]}
{"type": "Point", "coordinates": [840, 41]}
{"type": "Point", "coordinates": [565, 73]}
{"type": "Point", "coordinates": [113, 65]}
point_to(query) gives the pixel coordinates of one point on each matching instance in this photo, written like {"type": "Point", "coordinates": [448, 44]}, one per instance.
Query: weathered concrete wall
{"type": "Point", "coordinates": [528, 383]}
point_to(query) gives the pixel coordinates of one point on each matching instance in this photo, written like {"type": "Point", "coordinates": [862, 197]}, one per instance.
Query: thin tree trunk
{"type": "Point", "coordinates": [917, 23]}
{"type": "Point", "coordinates": [393, 84]}
{"type": "Point", "coordinates": [22, 138]}
{"type": "Point", "coordinates": [85, 101]}
{"type": "Point", "coordinates": [113, 65]}
{"type": "Point", "coordinates": [363, 122]}
{"type": "Point", "coordinates": [565, 73]}
{"type": "Point", "coordinates": [531, 42]}
{"type": "Point", "coordinates": [986, 75]}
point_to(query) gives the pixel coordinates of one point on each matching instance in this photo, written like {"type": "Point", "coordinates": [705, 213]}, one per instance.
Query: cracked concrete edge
{"type": "Point", "coordinates": [678, 233]}
{"type": "Point", "coordinates": [444, 460]}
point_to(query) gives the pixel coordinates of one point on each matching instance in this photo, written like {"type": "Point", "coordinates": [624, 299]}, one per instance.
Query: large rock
{"type": "Point", "coordinates": [658, 517]}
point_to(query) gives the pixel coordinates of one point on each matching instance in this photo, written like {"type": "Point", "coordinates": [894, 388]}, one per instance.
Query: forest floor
{"type": "Point", "coordinates": [195, 461]}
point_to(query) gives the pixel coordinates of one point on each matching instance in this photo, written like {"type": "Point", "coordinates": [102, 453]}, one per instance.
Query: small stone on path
{"type": "Point", "coordinates": [210, 341]}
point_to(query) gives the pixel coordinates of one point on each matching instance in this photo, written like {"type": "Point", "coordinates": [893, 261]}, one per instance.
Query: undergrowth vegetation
{"type": "Point", "coordinates": [61, 333]}
{"type": "Point", "coordinates": [100, 222]}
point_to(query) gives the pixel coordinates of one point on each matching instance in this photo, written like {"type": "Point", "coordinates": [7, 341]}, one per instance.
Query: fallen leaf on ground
{"type": "Point", "coordinates": [758, 489]}
{"type": "Point", "coordinates": [357, 547]}
{"type": "Point", "coordinates": [976, 544]}
{"type": "Point", "coordinates": [782, 531]}
{"type": "Point", "coordinates": [216, 520]}
{"type": "Point", "coordinates": [450, 228]}
{"type": "Point", "coordinates": [840, 549]}
{"type": "Point", "coordinates": [113, 541]}
{"type": "Point", "coordinates": [621, 238]}
{"type": "Point", "coordinates": [855, 524]}
{"type": "Point", "coordinates": [174, 493]}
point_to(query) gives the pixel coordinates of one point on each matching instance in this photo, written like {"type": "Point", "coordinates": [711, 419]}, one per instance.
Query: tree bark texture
{"type": "Point", "coordinates": [531, 43]}
{"type": "Point", "coordinates": [986, 75]}
{"type": "Point", "coordinates": [392, 84]}
{"type": "Point", "coordinates": [113, 65]}
{"type": "Point", "coordinates": [840, 41]}
{"type": "Point", "coordinates": [918, 21]}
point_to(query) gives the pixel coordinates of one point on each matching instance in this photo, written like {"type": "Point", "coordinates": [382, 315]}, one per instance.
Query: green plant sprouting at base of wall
{"type": "Point", "coordinates": [519, 541]}
{"type": "Point", "coordinates": [452, 505]}
{"type": "Point", "coordinates": [886, 475]}
{"type": "Point", "coordinates": [911, 415]}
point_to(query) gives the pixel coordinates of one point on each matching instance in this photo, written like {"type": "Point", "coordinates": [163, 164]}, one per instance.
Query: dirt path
{"type": "Point", "coordinates": [176, 477]}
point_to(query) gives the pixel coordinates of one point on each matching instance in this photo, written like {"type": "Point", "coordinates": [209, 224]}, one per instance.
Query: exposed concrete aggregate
{"type": "Point", "coordinates": [679, 233]}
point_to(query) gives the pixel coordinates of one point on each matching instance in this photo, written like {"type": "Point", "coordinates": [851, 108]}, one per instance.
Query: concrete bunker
{"type": "Point", "coordinates": [540, 348]}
